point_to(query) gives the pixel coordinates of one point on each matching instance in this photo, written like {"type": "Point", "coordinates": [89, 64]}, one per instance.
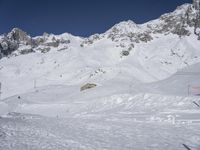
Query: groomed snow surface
{"type": "Point", "coordinates": [112, 116]}
{"type": "Point", "coordinates": [142, 101]}
{"type": "Point", "coordinates": [126, 121]}
{"type": "Point", "coordinates": [43, 108]}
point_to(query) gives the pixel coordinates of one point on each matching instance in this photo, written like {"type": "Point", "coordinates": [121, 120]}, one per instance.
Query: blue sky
{"type": "Point", "coordinates": [79, 17]}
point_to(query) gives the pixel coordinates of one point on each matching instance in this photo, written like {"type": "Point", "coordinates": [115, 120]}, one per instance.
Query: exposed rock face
{"type": "Point", "coordinates": [196, 4]}
{"type": "Point", "coordinates": [18, 42]}
{"type": "Point", "coordinates": [7, 46]}
{"type": "Point", "coordinates": [10, 42]}
{"type": "Point", "coordinates": [124, 35]}
{"type": "Point", "coordinates": [19, 36]}
{"type": "Point", "coordinates": [125, 53]}
{"type": "Point", "coordinates": [26, 51]}
{"type": "Point", "coordinates": [178, 21]}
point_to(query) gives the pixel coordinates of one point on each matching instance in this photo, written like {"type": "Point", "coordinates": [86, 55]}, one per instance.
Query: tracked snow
{"type": "Point", "coordinates": [128, 88]}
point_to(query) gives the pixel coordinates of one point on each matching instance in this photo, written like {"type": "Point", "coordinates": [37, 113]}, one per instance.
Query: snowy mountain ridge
{"type": "Point", "coordinates": [143, 53]}
{"type": "Point", "coordinates": [181, 22]}
{"type": "Point", "coordinates": [132, 87]}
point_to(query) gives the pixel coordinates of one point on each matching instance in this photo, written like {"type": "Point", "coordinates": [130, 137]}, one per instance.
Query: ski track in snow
{"type": "Point", "coordinates": [36, 132]}
{"type": "Point", "coordinates": [58, 117]}
{"type": "Point", "coordinates": [115, 122]}
{"type": "Point", "coordinates": [140, 102]}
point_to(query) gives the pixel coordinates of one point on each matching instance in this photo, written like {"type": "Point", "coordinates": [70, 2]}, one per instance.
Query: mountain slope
{"type": "Point", "coordinates": [142, 53]}
{"type": "Point", "coordinates": [62, 117]}
{"type": "Point", "coordinates": [139, 100]}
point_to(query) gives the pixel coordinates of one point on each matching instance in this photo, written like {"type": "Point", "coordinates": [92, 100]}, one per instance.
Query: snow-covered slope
{"type": "Point", "coordinates": [143, 53]}
{"type": "Point", "coordinates": [112, 116]}
{"type": "Point", "coordinates": [181, 83]}
{"type": "Point", "coordinates": [140, 75]}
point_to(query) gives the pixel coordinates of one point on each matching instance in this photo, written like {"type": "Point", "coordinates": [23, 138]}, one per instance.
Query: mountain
{"type": "Point", "coordinates": [128, 88]}
{"type": "Point", "coordinates": [141, 52]}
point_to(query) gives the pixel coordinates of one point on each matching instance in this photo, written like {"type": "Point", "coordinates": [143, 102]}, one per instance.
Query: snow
{"type": "Point", "coordinates": [110, 116]}
{"type": "Point", "coordinates": [149, 62]}
{"type": "Point", "coordinates": [35, 132]}
{"type": "Point", "coordinates": [141, 101]}
{"type": "Point", "coordinates": [125, 27]}
{"type": "Point", "coordinates": [75, 122]}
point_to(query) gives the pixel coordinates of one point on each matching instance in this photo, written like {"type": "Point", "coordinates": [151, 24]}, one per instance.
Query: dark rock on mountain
{"type": "Point", "coordinates": [184, 21]}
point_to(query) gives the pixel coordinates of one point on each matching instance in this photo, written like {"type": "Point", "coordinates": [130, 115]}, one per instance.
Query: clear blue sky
{"type": "Point", "coordinates": [79, 17]}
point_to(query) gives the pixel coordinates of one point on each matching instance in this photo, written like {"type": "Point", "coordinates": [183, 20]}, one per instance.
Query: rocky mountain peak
{"type": "Point", "coordinates": [124, 27]}
{"type": "Point", "coordinates": [126, 24]}
{"type": "Point", "coordinates": [196, 4]}
{"type": "Point", "coordinates": [184, 21]}
{"type": "Point", "coordinates": [19, 35]}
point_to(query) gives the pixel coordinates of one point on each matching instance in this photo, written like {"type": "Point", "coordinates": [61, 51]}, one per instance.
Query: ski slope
{"type": "Point", "coordinates": [111, 116]}
{"type": "Point", "coordinates": [141, 100]}
{"type": "Point", "coordinates": [98, 63]}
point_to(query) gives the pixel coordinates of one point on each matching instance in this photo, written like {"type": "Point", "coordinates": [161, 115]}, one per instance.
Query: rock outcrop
{"type": "Point", "coordinates": [125, 35]}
